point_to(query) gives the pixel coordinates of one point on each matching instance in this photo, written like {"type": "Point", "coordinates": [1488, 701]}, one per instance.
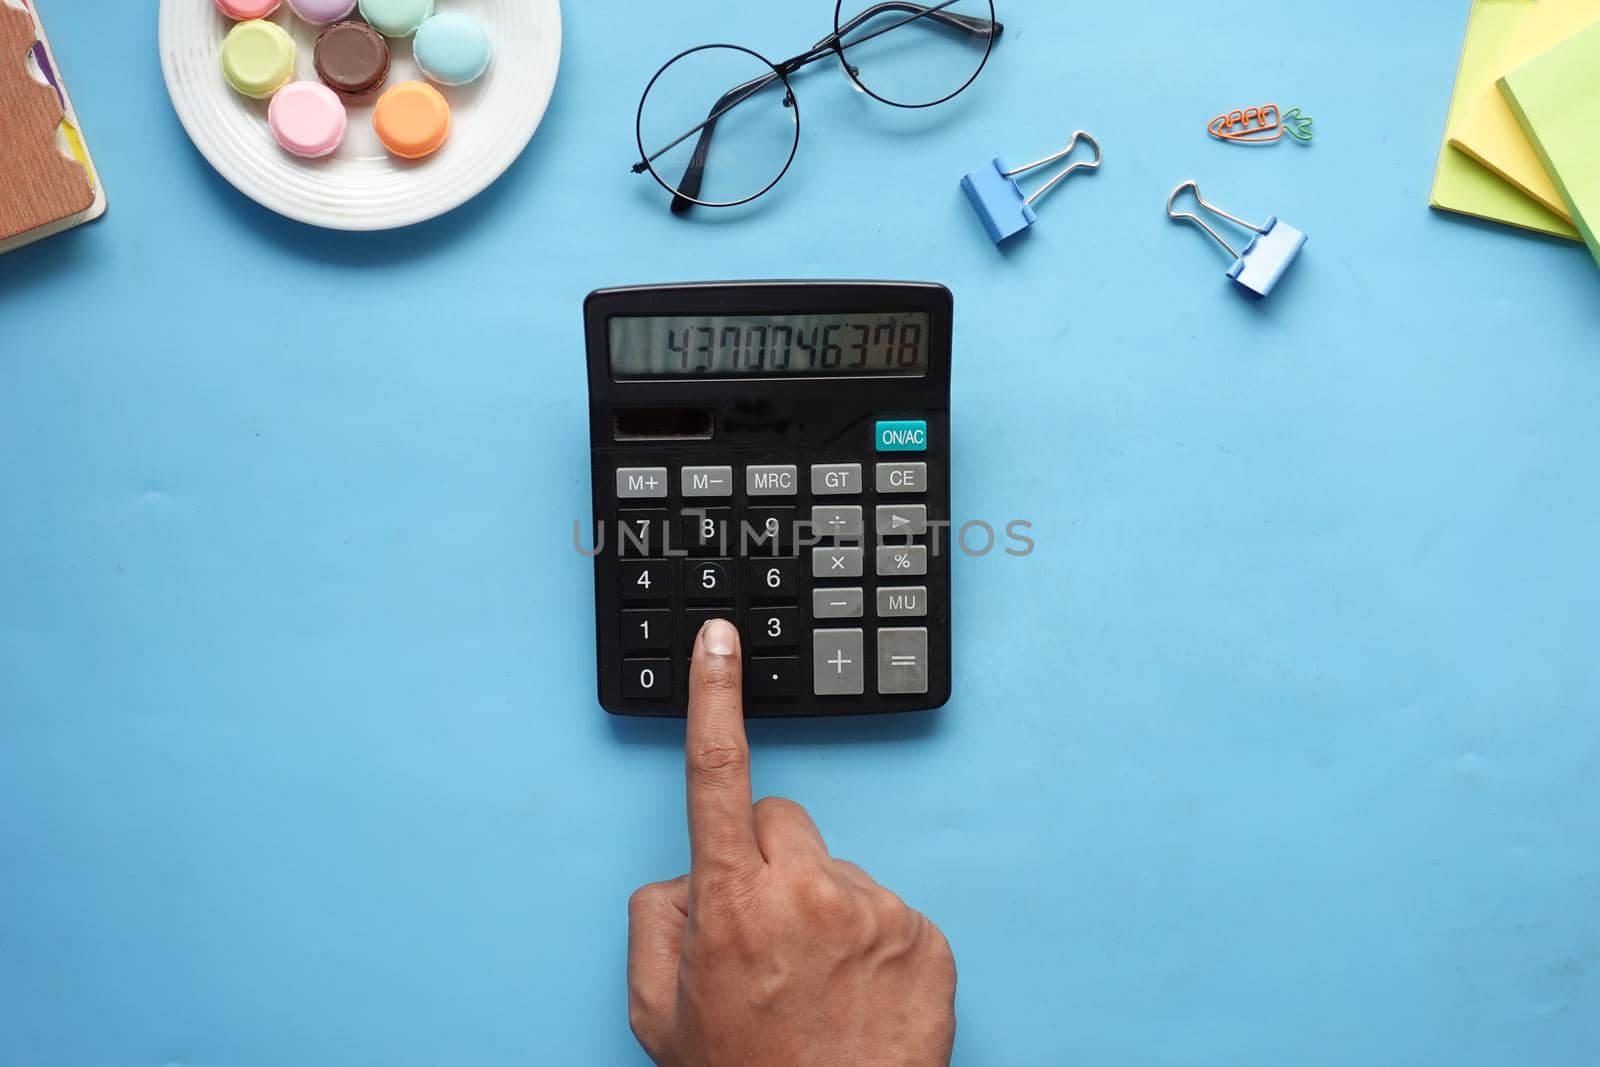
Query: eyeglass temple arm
{"type": "Point", "coordinates": [694, 174]}
{"type": "Point", "coordinates": [965, 23]}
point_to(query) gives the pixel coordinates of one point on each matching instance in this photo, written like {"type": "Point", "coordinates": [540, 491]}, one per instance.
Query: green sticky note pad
{"type": "Point", "coordinates": [1556, 98]}
{"type": "Point", "coordinates": [1462, 184]}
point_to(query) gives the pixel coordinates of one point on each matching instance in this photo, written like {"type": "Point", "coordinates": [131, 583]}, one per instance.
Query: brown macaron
{"type": "Point", "coordinates": [352, 58]}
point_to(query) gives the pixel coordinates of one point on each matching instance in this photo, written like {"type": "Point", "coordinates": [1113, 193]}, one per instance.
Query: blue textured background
{"type": "Point", "coordinates": [1282, 749]}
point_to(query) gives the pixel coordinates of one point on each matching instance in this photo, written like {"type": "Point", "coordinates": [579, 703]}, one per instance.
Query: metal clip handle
{"type": "Point", "coordinates": [1189, 216]}
{"type": "Point", "coordinates": [1094, 164]}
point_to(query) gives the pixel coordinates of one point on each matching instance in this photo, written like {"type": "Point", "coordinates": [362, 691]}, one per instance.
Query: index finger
{"type": "Point", "coordinates": [722, 826]}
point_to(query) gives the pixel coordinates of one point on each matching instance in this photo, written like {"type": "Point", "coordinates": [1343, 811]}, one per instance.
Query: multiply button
{"type": "Point", "coordinates": [836, 562]}
{"type": "Point", "coordinates": [835, 479]}
{"type": "Point", "coordinates": [707, 481]}
{"type": "Point", "coordinates": [771, 480]}
{"type": "Point", "coordinates": [902, 477]}
{"type": "Point", "coordinates": [641, 483]}
{"type": "Point", "coordinates": [836, 667]}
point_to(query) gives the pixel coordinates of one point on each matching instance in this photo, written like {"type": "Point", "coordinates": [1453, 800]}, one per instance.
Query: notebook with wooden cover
{"type": "Point", "coordinates": [47, 181]}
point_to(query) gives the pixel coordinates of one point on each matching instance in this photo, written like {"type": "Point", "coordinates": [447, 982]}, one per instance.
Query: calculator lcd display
{"type": "Point", "coordinates": [890, 344]}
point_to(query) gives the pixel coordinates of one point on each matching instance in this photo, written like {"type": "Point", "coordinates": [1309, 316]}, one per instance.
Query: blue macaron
{"type": "Point", "coordinates": [452, 48]}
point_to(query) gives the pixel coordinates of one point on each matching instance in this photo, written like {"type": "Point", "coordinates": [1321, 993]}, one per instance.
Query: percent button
{"type": "Point", "coordinates": [905, 561]}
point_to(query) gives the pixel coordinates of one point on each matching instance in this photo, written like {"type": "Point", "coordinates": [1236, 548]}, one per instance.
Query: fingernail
{"type": "Point", "coordinates": [720, 638]}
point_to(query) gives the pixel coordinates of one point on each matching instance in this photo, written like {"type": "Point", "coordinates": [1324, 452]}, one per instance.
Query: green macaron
{"type": "Point", "coordinates": [258, 58]}
{"type": "Point", "coordinates": [396, 18]}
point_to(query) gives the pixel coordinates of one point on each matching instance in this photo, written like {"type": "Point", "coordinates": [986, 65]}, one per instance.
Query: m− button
{"type": "Point", "coordinates": [707, 481]}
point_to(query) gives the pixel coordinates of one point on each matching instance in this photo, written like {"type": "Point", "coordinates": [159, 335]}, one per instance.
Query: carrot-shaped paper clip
{"type": "Point", "coordinates": [1260, 125]}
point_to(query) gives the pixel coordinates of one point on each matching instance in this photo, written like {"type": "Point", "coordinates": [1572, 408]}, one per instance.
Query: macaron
{"type": "Point", "coordinates": [396, 18]}
{"type": "Point", "coordinates": [352, 58]}
{"type": "Point", "coordinates": [258, 58]}
{"type": "Point", "coordinates": [452, 48]}
{"type": "Point", "coordinates": [245, 10]}
{"type": "Point", "coordinates": [412, 120]}
{"type": "Point", "coordinates": [322, 12]}
{"type": "Point", "coordinates": [308, 119]}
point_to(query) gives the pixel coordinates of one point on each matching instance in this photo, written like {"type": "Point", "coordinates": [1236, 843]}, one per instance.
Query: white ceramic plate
{"type": "Point", "coordinates": [362, 187]}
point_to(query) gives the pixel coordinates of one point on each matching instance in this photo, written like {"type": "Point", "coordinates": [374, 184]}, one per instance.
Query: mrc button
{"type": "Point", "coordinates": [902, 435]}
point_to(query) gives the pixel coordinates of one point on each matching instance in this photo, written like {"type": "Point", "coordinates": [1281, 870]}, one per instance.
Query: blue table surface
{"type": "Point", "coordinates": [1282, 748]}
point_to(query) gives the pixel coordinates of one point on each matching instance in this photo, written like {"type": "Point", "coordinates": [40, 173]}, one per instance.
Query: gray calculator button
{"type": "Point", "coordinates": [902, 477]}
{"type": "Point", "coordinates": [707, 481]}
{"type": "Point", "coordinates": [902, 602]}
{"type": "Point", "coordinates": [904, 520]}
{"type": "Point", "coordinates": [836, 562]}
{"type": "Point", "coordinates": [775, 479]}
{"type": "Point", "coordinates": [836, 667]}
{"type": "Point", "coordinates": [837, 603]}
{"type": "Point", "coordinates": [835, 479]}
{"type": "Point", "coordinates": [837, 521]}
{"type": "Point", "coordinates": [909, 561]}
{"type": "Point", "coordinates": [902, 660]}
{"type": "Point", "coordinates": [641, 483]}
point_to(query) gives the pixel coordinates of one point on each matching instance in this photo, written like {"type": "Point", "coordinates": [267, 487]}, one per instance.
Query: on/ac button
{"type": "Point", "coordinates": [902, 435]}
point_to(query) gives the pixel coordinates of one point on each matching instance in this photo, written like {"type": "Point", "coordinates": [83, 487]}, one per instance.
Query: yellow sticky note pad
{"type": "Point", "coordinates": [1488, 131]}
{"type": "Point", "coordinates": [1460, 183]}
{"type": "Point", "coordinates": [1556, 97]}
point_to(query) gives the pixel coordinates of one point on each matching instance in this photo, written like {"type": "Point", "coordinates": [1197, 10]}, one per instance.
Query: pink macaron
{"type": "Point", "coordinates": [308, 119]}
{"type": "Point", "coordinates": [323, 12]}
{"type": "Point", "coordinates": [245, 10]}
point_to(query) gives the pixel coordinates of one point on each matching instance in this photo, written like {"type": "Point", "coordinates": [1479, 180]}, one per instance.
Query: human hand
{"type": "Point", "coordinates": [769, 951]}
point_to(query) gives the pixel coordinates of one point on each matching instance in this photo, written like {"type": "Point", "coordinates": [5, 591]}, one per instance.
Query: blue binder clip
{"type": "Point", "coordinates": [1271, 250]}
{"type": "Point", "coordinates": [998, 198]}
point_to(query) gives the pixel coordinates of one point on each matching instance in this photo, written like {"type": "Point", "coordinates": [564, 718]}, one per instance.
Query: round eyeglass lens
{"type": "Point", "coordinates": [718, 125]}
{"type": "Point", "coordinates": [912, 54]}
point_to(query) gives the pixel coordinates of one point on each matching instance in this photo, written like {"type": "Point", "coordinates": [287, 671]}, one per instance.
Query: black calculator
{"type": "Point", "coordinates": [776, 454]}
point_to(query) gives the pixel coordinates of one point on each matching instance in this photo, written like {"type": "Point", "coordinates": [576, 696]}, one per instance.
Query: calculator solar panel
{"type": "Point", "coordinates": [777, 454]}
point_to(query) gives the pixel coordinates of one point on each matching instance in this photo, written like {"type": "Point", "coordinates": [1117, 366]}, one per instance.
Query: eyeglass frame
{"type": "Point", "coordinates": [833, 44]}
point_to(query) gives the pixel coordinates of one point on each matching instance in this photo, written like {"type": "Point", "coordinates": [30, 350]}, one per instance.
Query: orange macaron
{"type": "Point", "coordinates": [412, 120]}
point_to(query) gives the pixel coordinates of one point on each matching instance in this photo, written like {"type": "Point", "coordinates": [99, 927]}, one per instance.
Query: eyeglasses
{"type": "Point", "coordinates": [900, 53]}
